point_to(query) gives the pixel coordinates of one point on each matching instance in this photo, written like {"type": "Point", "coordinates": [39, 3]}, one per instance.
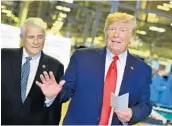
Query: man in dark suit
{"type": "Point", "coordinates": [93, 74]}
{"type": "Point", "coordinates": [22, 101]}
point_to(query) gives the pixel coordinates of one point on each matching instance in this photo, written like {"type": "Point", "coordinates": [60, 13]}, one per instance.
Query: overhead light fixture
{"type": "Point", "coordinates": [141, 32]}
{"type": "Point", "coordinates": [167, 5]}
{"type": "Point", "coordinates": [152, 14]}
{"type": "Point", "coordinates": [170, 2]}
{"type": "Point", "coordinates": [153, 28]}
{"type": "Point", "coordinates": [60, 19]}
{"type": "Point", "coordinates": [66, 9]}
{"type": "Point", "coordinates": [3, 6]}
{"type": "Point", "coordinates": [7, 11]}
{"type": "Point", "coordinates": [63, 8]}
{"type": "Point", "coordinates": [68, 1]}
{"type": "Point", "coordinates": [59, 7]}
{"type": "Point", "coordinates": [163, 8]}
{"type": "Point", "coordinates": [62, 15]}
{"type": "Point", "coordinates": [152, 18]}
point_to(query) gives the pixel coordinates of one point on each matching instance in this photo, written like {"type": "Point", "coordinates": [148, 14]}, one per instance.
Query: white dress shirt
{"type": "Point", "coordinates": [34, 62]}
{"type": "Point", "coordinates": [121, 63]}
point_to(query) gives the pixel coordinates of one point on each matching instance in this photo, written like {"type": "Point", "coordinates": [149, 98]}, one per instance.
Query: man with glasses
{"type": "Point", "coordinates": [23, 103]}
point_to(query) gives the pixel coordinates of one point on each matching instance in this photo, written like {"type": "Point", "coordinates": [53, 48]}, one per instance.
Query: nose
{"type": "Point", "coordinates": [35, 40]}
{"type": "Point", "coordinates": [116, 33]}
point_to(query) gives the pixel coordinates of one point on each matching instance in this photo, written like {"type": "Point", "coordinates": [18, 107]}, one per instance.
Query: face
{"type": "Point", "coordinates": [33, 39]}
{"type": "Point", "coordinates": [118, 36]}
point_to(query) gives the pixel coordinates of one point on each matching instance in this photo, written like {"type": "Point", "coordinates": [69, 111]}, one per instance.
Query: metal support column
{"type": "Point", "coordinates": [114, 6]}
{"type": "Point", "coordinates": [24, 11]}
{"type": "Point", "coordinates": [86, 26]}
{"type": "Point", "coordinates": [138, 5]}
{"type": "Point", "coordinates": [96, 22]}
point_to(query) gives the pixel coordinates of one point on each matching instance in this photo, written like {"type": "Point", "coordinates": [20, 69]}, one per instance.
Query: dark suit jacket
{"type": "Point", "coordinates": [85, 82]}
{"type": "Point", "coordinates": [33, 111]}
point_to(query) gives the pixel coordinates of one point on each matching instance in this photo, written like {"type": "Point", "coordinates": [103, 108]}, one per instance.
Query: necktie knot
{"type": "Point", "coordinates": [28, 58]}
{"type": "Point", "coordinates": [116, 58]}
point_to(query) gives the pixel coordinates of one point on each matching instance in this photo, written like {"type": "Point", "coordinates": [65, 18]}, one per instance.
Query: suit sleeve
{"type": "Point", "coordinates": [54, 111]}
{"type": "Point", "coordinates": [71, 78]}
{"type": "Point", "coordinates": [143, 107]}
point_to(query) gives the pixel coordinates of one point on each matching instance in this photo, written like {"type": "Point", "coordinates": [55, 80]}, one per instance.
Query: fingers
{"type": "Point", "coordinates": [124, 115]}
{"type": "Point", "coordinates": [42, 78]}
{"type": "Point", "coordinates": [52, 76]}
{"type": "Point", "coordinates": [121, 118]}
{"type": "Point", "coordinates": [46, 76]}
{"type": "Point", "coordinates": [61, 83]}
{"type": "Point", "coordinates": [39, 84]}
{"type": "Point", "coordinates": [50, 79]}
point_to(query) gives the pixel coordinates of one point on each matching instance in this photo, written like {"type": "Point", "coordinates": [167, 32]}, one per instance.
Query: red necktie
{"type": "Point", "coordinates": [109, 86]}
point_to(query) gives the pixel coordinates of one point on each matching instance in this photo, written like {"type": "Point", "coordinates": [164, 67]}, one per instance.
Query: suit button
{"type": "Point", "coordinates": [98, 118]}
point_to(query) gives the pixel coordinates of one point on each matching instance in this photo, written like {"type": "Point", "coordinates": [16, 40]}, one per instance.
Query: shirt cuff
{"type": "Point", "coordinates": [48, 101]}
{"type": "Point", "coordinates": [125, 123]}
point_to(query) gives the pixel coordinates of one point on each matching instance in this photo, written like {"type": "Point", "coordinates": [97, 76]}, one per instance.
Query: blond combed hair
{"type": "Point", "coordinates": [38, 22]}
{"type": "Point", "coordinates": [120, 17]}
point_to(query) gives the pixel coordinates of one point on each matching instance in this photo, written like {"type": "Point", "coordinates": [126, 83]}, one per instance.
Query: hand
{"type": "Point", "coordinates": [124, 115]}
{"type": "Point", "coordinates": [50, 88]}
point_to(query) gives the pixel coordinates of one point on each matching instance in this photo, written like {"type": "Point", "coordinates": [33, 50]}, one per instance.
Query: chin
{"type": "Point", "coordinates": [34, 53]}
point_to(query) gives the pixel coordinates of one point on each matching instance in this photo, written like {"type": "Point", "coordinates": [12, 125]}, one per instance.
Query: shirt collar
{"type": "Point", "coordinates": [122, 56]}
{"type": "Point", "coordinates": [25, 54]}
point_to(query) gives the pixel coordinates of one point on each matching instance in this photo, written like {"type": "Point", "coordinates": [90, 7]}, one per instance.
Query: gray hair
{"type": "Point", "coordinates": [38, 22]}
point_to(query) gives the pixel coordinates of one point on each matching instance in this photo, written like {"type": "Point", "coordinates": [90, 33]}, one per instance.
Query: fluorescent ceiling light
{"type": "Point", "coordinates": [59, 7]}
{"type": "Point", "coordinates": [167, 5]}
{"type": "Point", "coordinates": [3, 6]}
{"type": "Point", "coordinates": [153, 28]}
{"type": "Point", "coordinates": [163, 8]}
{"type": "Point", "coordinates": [170, 2]}
{"type": "Point", "coordinates": [68, 1]}
{"type": "Point", "coordinates": [63, 8]}
{"type": "Point", "coordinates": [141, 32]}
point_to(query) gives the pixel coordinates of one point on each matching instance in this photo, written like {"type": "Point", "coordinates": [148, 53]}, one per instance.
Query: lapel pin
{"type": "Point", "coordinates": [132, 68]}
{"type": "Point", "coordinates": [43, 66]}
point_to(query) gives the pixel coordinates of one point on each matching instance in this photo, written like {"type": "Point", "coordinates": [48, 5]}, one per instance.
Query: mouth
{"type": "Point", "coordinates": [35, 47]}
{"type": "Point", "coordinates": [114, 41]}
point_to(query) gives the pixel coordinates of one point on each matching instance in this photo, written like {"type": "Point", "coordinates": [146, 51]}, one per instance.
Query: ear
{"type": "Point", "coordinates": [21, 41]}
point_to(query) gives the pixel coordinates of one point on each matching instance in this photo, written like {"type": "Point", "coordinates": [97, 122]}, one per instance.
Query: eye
{"type": "Point", "coordinates": [30, 37]}
{"type": "Point", "coordinates": [111, 29]}
{"type": "Point", "coordinates": [40, 37]}
{"type": "Point", "coordinates": [123, 30]}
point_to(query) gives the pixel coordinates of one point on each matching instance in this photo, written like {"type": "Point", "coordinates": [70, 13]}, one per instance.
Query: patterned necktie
{"type": "Point", "coordinates": [109, 86]}
{"type": "Point", "coordinates": [24, 77]}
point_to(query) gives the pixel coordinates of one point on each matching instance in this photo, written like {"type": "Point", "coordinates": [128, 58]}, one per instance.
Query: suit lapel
{"type": "Point", "coordinates": [16, 63]}
{"type": "Point", "coordinates": [100, 65]}
{"type": "Point", "coordinates": [129, 69]}
{"type": "Point", "coordinates": [41, 67]}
